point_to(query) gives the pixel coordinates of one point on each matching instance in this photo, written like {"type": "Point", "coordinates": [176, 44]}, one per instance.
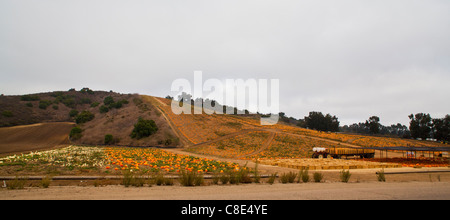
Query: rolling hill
{"type": "Point", "coordinates": [112, 113]}
{"type": "Point", "coordinates": [221, 135]}
{"type": "Point", "coordinates": [234, 136]}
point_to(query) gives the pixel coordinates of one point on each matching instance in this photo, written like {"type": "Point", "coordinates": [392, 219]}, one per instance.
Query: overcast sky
{"type": "Point", "coordinates": [353, 59]}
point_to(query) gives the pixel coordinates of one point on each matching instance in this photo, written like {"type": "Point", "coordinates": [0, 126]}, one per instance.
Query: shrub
{"type": "Point", "coordinates": [56, 107]}
{"type": "Point", "coordinates": [57, 94]}
{"type": "Point", "coordinates": [303, 175]}
{"type": "Point", "coordinates": [75, 133]}
{"type": "Point", "coordinates": [318, 177]}
{"type": "Point", "coordinates": [104, 109]}
{"type": "Point", "coordinates": [127, 178]}
{"type": "Point", "coordinates": [244, 176]}
{"type": "Point", "coordinates": [288, 177]}
{"type": "Point", "coordinates": [84, 116]}
{"type": "Point", "coordinates": [240, 176]}
{"type": "Point", "coordinates": [7, 113]}
{"type": "Point", "coordinates": [159, 179]}
{"type": "Point", "coordinates": [132, 180]}
{"type": "Point", "coordinates": [29, 104]}
{"type": "Point", "coordinates": [137, 101]}
{"type": "Point", "coordinates": [380, 176]}
{"type": "Point", "coordinates": [43, 104]}
{"type": "Point", "coordinates": [87, 90]}
{"type": "Point", "coordinates": [191, 178]}
{"type": "Point", "coordinates": [215, 178]}
{"type": "Point", "coordinates": [120, 103]}
{"type": "Point", "coordinates": [284, 178]}
{"type": "Point", "coordinates": [345, 176]}
{"type": "Point", "coordinates": [45, 182]}
{"type": "Point", "coordinates": [116, 105]}
{"type": "Point", "coordinates": [17, 183]}
{"type": "Point", "coordinates": [168, 142]}
{"type": "Point", "coordinates": [108, 100]}
{"type": "Point", "coordinates": [69, 102]}
{"type": "Point", "coordinates": [144, 128]}
{"type": "Point", "coordinates": [257, 177]}
{"type": "Point", "coordinates": [138, 181]}
{"type": "Point", "coordinates": [95, 104]}
{"type": "Point", "coordinates": [168, 182]}
{"type": "Point", "coordinates": [109, 139]}
{"type": "Point", "coordinates": [124, 101]}
{"type": "Point", "coordinates": [30, 98]}
{"type": "Point", "coordinates": [73, 113]}
{"type": "Point", "coordinates": [224, 178]}
{"type": "Point", "coordinates": [272, 178]}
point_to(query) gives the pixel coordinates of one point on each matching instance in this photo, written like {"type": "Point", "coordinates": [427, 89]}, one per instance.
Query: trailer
{"type": "Point", "coordinates": [322, 152]}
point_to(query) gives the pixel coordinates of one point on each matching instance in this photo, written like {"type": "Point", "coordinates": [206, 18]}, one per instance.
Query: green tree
{"type": "Point", "coordinates": [43, 104]}
{"type": "Point", "coordinates": [108, 100]}
{"type": "Point", "coordinates": [75, 133]}
{"type": "Point", "coordinates": [109, 139]}
{"type": "Point", "coordinates": [441, 128]}
{"type": "Point", "coordinates": [420, 125]}
{"type": "Point", "coordinates": [104, 109]}
{"type": "Point", "coordinates": [143, 128]}
{"type": "Point", "coordinates": [83, 117]}
{"type": "Point", "coordinates": [94, 104]}
{"type": "Point", "coordinates": [73, 113]}
{"type": "Point", "coordinates": [30, 98]}
{"type": "Point", "coordinates": [7, 113]}
{"type": "Point", "coordinates": [87, 90]}
{"type": "Point", "coordinates": [374, 124]}
{"type": "Point", "coordinates": [332, 123]}
{"type": "Point", "coordinates": [320, 122]}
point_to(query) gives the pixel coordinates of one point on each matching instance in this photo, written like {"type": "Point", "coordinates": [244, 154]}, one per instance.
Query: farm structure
{"type": "Point", "coordinates": [321, 152]}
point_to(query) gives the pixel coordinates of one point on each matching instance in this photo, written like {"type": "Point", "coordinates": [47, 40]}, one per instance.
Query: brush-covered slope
{"type": "Point", "coordinates": [109, 113]}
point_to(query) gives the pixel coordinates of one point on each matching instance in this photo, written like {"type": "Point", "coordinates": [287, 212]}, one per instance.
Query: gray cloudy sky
{"type": "Point", "coordinates": [353, 59]}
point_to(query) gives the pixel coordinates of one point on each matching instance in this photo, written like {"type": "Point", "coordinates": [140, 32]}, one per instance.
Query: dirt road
{"type": "Point", "coordinates": [304, 191]}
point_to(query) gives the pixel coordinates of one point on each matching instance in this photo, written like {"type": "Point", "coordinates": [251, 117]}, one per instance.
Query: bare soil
{"type": "Point", "coordinates": [305, 191]}
{"type": "Point", "coordinates": [34, 137]}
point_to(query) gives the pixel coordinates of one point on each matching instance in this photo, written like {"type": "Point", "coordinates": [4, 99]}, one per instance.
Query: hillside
{"type": "Point", "coordinates": [120, 124]}
{"type": "Point", "coordinates": [47, 107]}
{"type": "Point", "coordinates": [222, 135]}
{"type": "Point", "coordinates": [234, 136]}
{"type": "Point", "coordinates": [117, 117]}
{"type": "Point", "coordinates": [34, 137]}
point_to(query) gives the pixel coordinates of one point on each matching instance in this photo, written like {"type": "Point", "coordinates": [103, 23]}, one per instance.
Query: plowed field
{"type": "Point", "coordinates": [34, 137]}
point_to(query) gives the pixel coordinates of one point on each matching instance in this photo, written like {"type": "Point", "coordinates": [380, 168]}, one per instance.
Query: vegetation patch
{"type": "Point", "coordinates": [144, 128]}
